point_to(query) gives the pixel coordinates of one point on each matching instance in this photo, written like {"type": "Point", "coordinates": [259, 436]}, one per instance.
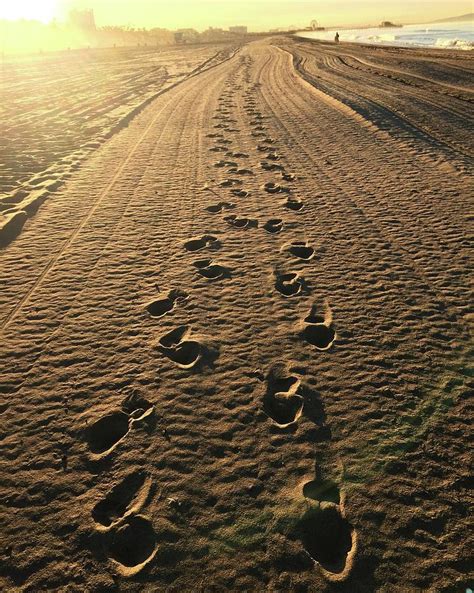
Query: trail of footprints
{"type": "Point", "coordinates": [127, 535]}
{"type": "Point", "coordinates": [324, 531]}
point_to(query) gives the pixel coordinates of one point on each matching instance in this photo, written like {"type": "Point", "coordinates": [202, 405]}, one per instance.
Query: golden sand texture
{"type": "Point", "coordinates": [234, 344]}
{"type": "Point", "coordinates": [58, 108]}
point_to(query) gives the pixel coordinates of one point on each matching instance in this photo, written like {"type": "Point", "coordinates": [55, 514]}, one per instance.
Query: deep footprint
{"type": "Point", "coordinates": [284, 409]}
{"type": "Point", "coordinates": [272, 188]}
{"type": "Point", "coordinates": [211, 271]}
{"type": "Point", "coordinates": [326, 537]}
{"type": "Point", "coordinates": [294, 205]}
{"type": "Point", "coordinates": [184, 353]}
{"type": "Point", "coordinates": [203, 242]}
{"type": "Point", "coordinates": [137, 407]}
{"type": "Point", "coordinates": [301, 250]}
{"type": "Point", "coordinates": [133, 545]}
{"type": "Point", "coordinates": [237, 171]}
{"type": "Point", "coordinates": [103, 435]}
{"type": "Point", "coordinates": [289, 284]}
{"type": "Point", "coordinates": [239, 193]}
{"type": "Point", "coordinates": [230, 182]}
{"type": "Point", "coordinates": [274, 225]}
{"type": "Point", "coordinates": [282, 402]}
{"type": "Point", "coordinates": [160, 307]}
{"type": "Point", "coordinates": [221, 164]}
{"type": "Point", "coordinates": [118, 501]}
{"type": "Point", "coordinates": [217, 208]}
{"type": "Point", "coordinates": [273, 156]}
{"type": "Point", "coordinates": [271, 166]}
{"type": "Point", "coordinates": [240, 223]}
{"type": "Point", "coordinates": [319, 335]}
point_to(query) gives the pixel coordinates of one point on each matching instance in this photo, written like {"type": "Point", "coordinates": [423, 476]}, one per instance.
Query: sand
{"type": "Point", "coordinates": [235, 337]}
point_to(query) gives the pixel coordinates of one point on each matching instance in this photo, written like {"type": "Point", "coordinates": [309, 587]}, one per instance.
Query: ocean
{"type": "Point", "coordinates": [441, 35]}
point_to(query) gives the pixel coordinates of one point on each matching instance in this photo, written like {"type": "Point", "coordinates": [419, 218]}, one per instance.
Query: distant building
{"type": "Point", "coordinates": [82, 19]}
{"type": "Point", "coordinates": [387, 25]}
{"type": "Point", "coordinates": [238, 30]}
{"type": "Point", "coordinates": [186, 36]}
{"type": "Point", "coordinates": [215, 35]}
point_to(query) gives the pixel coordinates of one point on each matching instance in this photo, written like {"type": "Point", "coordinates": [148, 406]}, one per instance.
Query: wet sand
{"type": "Point", "coordinates": [235, 338]}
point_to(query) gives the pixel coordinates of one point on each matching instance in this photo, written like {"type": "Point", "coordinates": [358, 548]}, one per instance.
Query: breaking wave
{"type": "Point", "coordinates": [458, 36]}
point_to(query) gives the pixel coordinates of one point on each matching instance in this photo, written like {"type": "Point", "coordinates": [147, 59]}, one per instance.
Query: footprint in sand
{"type": "Point", "coordinates": [128, 538]}
{"type": "Point", "coordinates": [290, 284]}
{"type": "Point", "coordinates": [294, 205]}
{"type": "Point", "coordinates": [236, 171]}
{"type": "Point", "coordinates": [105, 434]}
{"type": "Point", "coordinates": [328, 539]}
{"type": "Point", "coordinates": [230, 182]}
{"type": "Point", "coordinates": [288, 176]}
{"type": "Point", "coordinates": [300, 249]}
{"type": "Point", "coordinates": [274, 188]}
{"type": "Point", "coordinates": [183, 352]}
{"type": "Point", "coordinates": [137, 407]}
{"type": "Point", "coordinates": [274, 225]}
{"type": "Point", "coordinates": [239, 155]}
{"type": "Point", "coordinates": [239, 193]}
{"type": "Point", "coordinates": [222, 163]}
{"type": "Point", "coordinates": [206, 241]}
{"type": "Point", "coordinates": [282, 402]}
{"type": "Point", "coordinates": [160, 307]}
{"type": "Point", "coordinates": [318, 330]}
{"type": "Point", "coordinates": [217, 208]}
{"type": "Point", "coordinates": [240, 223]}
{"type": "Point", "coordinates": [272, 156]}
{"type": "Point", "coordinates": [211, 271]}
{"type": "Point", "coordinates": [132, 545]}
{"type": "Point", "coordinates": [271, 166]}
{"type": "Point", "coordinates": [127, 497]}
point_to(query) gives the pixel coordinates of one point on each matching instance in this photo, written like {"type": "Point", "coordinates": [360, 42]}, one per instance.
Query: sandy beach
{"type": "Point", "coordinates": [234, 311]}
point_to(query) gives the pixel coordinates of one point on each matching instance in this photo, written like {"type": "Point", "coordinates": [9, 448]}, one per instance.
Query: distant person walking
{"type": "Point", "coordinates": [336, 38]}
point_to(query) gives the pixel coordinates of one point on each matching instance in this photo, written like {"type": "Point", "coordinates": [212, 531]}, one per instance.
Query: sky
{"type": "Point", "coordinates": [256, 14]}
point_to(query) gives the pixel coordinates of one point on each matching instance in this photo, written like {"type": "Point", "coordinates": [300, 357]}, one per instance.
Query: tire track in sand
{"type": "Point", "coordinates": [50, 266]}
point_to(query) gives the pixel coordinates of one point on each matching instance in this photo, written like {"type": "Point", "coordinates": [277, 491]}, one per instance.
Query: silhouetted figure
{"type": "Point", "coordinates": [336, 38]}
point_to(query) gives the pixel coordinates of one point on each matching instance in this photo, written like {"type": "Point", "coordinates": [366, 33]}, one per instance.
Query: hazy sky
{"type": "Point", "coordinates": [257, 14]}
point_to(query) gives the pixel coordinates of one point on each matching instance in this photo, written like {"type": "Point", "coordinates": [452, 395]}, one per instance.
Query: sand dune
{"type": "Point", "coordinates": [235, 342]}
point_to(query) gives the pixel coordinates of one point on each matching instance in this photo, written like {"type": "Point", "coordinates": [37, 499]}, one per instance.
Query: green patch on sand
{"type": "Point", "coordinates": [248, 532]}
{"type": "Point", "coordinates": [435, 398]}
{"type": "Point", "coordinates": [252, 529]}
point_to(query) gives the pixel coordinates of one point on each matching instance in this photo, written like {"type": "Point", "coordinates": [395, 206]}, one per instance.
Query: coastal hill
{"type": "Point", "coordinates": [457, 19]}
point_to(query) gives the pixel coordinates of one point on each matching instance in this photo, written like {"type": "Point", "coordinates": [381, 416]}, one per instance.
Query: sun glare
{"type": "Point", "coordinates": [40, 10]}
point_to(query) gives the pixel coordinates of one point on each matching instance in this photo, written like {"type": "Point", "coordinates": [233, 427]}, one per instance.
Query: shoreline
{"type": "Point", "coordinates": [456, 37]}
